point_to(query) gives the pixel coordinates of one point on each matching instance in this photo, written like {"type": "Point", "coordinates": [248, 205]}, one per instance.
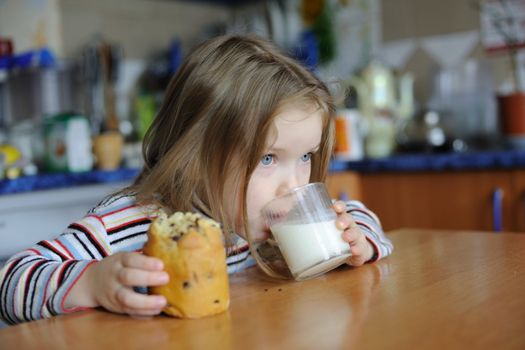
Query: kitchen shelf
{"type": "Point", "coordinates": [48, 181]}
{"type": "Point", "coordinates": [489, 160]}
{"type": "Point", "coordinates": [502, 159]}
{"type": "Point", "coordinates": [223, 2]}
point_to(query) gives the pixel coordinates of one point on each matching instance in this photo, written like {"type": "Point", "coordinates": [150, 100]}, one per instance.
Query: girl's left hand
{"type": "Point", "coordinates": [361, 249]}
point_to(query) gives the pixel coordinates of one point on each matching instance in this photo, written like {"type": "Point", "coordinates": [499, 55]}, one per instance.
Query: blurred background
{"type": "Point", "coordinates": [423, 87]}
{"type": "Point", "coordinates": [430, 125]}
{"type": "Point", "coordinates": [412, 76]}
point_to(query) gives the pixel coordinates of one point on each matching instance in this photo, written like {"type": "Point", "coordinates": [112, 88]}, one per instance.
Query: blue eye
{"type": "Point", "coordinates": [306, 157]}
{"type": "Point", "coordinates": [267, 159]}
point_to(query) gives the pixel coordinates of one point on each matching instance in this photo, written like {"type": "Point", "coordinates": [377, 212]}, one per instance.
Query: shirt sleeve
{"type": "Point", "coordinates": [35, 282]}
{"type": "Point", "coordinates": [371, 227]}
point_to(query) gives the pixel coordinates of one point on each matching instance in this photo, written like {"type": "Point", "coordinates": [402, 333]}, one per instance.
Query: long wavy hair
{"type": "Point", "coordinates": [212, 127]}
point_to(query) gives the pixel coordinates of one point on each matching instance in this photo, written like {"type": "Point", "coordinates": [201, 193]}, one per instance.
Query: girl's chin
{"type": "Point", "coordinates": [260, 235]}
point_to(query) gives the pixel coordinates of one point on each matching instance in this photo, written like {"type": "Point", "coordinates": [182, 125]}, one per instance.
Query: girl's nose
{"type": "Point", "coordinates": [288, 183]}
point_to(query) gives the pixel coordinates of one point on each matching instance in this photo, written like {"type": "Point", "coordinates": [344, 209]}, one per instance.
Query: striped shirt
{"type": "Point", "coordinates": [35, 282]}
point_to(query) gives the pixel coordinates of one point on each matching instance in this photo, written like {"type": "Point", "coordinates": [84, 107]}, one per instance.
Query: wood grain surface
{"type": "Point", "coordinates": [439, 290]}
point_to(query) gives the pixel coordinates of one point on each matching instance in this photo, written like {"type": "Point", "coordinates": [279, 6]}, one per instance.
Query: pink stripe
{"type": "Point", "coordinates": [11, 263]}
{"type": "Point", "coordinates": [119, 210]}
{"type": "Point", "coordinates": [376, 247]}
{"type": "Point", "coordinates": [34, 251]}
{"type": "Point", "coordinates": [48, 245]}
{"type": "Point", "coordinates": [365, 225]}
{"type": "Point", "coordinates": [364, 211]}
{"type": "Point", "coordinates": [31, 269]}
{"type": "Point", "coordinates": [67, 250]}
{"type": "Point", "coordinates": [64, 265]}
{"type": "Point", "coordinates": [127, 223]}
{"type": "Point", "coordinates": [96, 217]}
{"type": "Point", "coordinates": [238, 250]}
{"type": "Point", "coordinates": [9, 271]}
{"type": "Point", "coordinates": [94, 238]}
{"type": "Point", "coordinates": [78, 308]}
{"type": "Point", "coordinates": [45, 292]}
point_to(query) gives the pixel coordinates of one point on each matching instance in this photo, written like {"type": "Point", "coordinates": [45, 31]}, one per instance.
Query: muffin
{"type": "Point", "coordinates": [192, 249]}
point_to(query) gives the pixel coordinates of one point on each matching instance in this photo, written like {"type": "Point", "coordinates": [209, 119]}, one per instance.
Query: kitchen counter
{"type": "Point", "coordinates": [47, 181]}
{"type": "Point", "coordinates": [439, 290]}
{"type": "Point", "coordinates": [487, 160]}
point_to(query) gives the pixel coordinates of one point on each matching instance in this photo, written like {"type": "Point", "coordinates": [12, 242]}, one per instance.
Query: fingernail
{"type": "Point", "coordinates": [164, 278]}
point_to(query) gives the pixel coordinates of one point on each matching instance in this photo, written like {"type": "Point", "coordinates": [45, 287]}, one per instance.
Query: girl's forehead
{"type": "Point", "coordinates": [296, 112]}
{"type": "Point", "coordinates": [300, 125]}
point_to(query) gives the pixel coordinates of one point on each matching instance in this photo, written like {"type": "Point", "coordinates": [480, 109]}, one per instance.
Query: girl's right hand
{"type": "Point", "coordinates": [110, 283]}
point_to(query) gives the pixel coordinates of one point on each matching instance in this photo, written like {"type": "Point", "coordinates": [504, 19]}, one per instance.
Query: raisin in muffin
{"type": "Point", "coordinates": [192, 249]}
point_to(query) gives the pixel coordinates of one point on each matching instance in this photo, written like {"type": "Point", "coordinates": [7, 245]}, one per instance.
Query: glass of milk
{"type": "Point", "coordinates": [302, 223]}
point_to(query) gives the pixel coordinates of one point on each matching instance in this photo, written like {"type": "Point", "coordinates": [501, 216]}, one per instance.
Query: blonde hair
{"type": "Point", "coordinates": [213, 125]}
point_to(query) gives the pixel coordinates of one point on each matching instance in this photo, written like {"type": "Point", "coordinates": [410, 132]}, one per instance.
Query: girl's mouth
{"type": "Point", "coordinates": [262, 235]}
{"type": "Point", "coordinates": [274, 216]}
{"type": "Point", "coordinates": [259, 230]}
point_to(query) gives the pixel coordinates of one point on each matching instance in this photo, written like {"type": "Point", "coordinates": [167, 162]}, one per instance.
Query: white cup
{"type": "Point", "coordinates": [302, 222]}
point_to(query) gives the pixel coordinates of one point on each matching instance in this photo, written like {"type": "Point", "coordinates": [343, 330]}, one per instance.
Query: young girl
{"type": "Point", "coordinates": [241, 123]}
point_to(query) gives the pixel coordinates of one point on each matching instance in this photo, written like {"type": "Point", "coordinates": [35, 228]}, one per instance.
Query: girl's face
{"type": "Point", "coordinates": [286, 163]}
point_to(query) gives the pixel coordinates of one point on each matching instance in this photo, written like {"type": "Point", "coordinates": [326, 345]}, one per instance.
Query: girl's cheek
{"type": "Point", "coordinates": [306, 170]}
{"type": "Point", "coordinates": [264, 170]}
{"type": "Point", "coordinates": [258, 190]}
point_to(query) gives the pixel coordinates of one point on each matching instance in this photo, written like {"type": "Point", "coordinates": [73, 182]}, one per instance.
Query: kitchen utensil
{"type": "Point", "coordinates": [382, 100]}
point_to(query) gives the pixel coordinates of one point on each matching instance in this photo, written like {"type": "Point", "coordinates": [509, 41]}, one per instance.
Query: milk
{"type": "Point", "coordinates": [312, 248]}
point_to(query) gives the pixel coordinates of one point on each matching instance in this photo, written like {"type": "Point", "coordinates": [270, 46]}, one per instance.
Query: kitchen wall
{"type": "Point", "coordinates": [140, 26]}
{"type": "Point", "coordinates": [31, 23]}
{"type": "Point", "coordinates": [420, 20]}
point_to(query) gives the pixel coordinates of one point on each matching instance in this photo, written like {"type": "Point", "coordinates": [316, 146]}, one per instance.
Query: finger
{"type": "Point", "coordinates": [339, 207]}
{"type": "Point", "coordinates": [141, 261]}
{"type": "Point", "coordinates": [355, 260]}
{"type": "Point", "coordinates": [363, 249]}
{"type": "Point", "coordinates": [135, 277]}
{"type": "Point", "coordinates": [143, 313]}
{"type": "Point", "coordinates": [344, 221]}
{"type": "Point", "coordinates": [129, 300]}
{"type": "Point", "coordinates": [358, 250]}
{"type": "Point", "coordinates": [351, 235]}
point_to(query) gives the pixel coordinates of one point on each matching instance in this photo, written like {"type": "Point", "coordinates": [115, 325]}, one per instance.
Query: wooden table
{"type": "Point", "coordinates": [439, 290]}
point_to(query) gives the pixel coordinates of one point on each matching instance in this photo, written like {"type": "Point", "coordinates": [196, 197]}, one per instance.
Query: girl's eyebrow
{"type": "Point", "coordinates": [278, 149]}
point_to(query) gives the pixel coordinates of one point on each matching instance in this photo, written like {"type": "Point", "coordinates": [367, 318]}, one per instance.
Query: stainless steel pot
{"type": "Point", "coordinates": [34, 93]}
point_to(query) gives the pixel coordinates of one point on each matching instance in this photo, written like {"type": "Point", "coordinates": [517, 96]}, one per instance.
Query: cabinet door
{"type": "Point", "coordinates": [443, 200]}
{"type": "Point", "coordinates": [344, 185]}
{"type": "Point", "coordinates": [26, 218]}
{"type": "Point", "coordinates": [518, 200]}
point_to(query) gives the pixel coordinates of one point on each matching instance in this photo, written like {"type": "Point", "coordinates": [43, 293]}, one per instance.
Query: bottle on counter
{"type": "Point", "coordinates": [68, 143]}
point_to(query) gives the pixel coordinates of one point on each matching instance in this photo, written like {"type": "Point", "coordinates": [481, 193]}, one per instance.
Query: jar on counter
{"type": "Point", "coordinates": [68, 143]}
